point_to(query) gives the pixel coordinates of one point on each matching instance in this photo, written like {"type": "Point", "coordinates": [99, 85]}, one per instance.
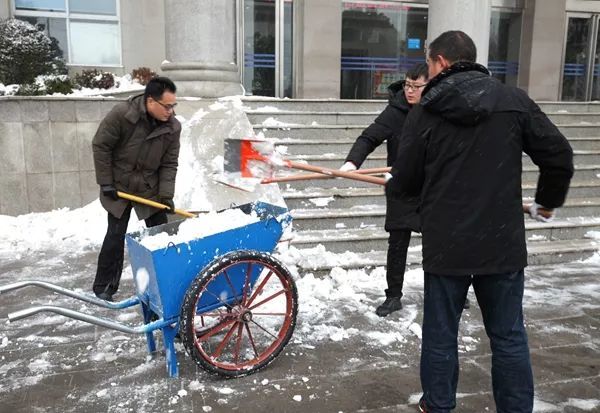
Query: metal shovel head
{"type": "Point", "coordinates": [250, 157]}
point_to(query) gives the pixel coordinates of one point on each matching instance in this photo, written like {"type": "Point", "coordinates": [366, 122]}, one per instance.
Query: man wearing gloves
{"type": "Point", "coordinates": [463, 158]}
{"type": "Point", "coordinates": [401, 217]}
{"type": "Point", "coordinates": [136, 149]}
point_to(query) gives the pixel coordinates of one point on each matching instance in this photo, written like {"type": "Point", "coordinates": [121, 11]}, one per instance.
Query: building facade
{"type": "Point", "coordinates": [348, 49]}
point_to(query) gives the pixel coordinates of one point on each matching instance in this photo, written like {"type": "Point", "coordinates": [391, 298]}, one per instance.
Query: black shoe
{"type": "Point", "coordinates": [390, 305]}
{"type": "Point", "coordinates": [467, 304]}
{"type": "Point", "coordinates": [422, 407]}
{"type": "Point", "coordinates": [105, 296]}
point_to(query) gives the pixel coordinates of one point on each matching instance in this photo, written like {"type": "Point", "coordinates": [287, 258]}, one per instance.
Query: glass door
{"type": "Point", "coordinates": [580, 72]}
{"type": "Point", "coordinates": [381, 41]}
{"type": "Point", "coordinates": [267, 69]}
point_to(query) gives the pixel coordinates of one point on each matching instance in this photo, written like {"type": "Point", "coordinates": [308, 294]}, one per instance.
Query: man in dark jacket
{"type": "Point", "coordinates": [136, 149]}
{"type": "Point", "coordinates": [400, 217]}
{"type": "Point", "coordinates": [462, 155]}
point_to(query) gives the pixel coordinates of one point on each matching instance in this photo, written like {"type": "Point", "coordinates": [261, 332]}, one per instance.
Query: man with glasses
{"type": "Point", "coordinates": [401, 216]}
{"type": "Point", "coordinates": [135, 150]}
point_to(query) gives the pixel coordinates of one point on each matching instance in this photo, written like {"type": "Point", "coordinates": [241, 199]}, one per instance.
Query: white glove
{"type": "Point", "coordinates": [535, 214]}
{"type": "Point", "coordinates": [387, 176]}
{"type": "Point", "coordinates": [348, 167]}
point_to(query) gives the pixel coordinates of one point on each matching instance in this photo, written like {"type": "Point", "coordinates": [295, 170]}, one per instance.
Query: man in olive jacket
{"type": "Point", "coordinates": [135, 150]}
{"type": "Point", "coordinates": [462, 155]}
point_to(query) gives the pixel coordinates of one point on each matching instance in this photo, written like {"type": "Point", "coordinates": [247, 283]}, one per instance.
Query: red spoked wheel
{"type": "Point", "coordinates": [239, 313]}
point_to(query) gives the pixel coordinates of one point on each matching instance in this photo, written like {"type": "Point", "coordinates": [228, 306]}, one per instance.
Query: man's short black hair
{"type": "Point", "coordinates": [417, 71]}
{"type": "Point", "coordinates": [453, 45]}
{"type": "Point", "coordinates": [157, 86]}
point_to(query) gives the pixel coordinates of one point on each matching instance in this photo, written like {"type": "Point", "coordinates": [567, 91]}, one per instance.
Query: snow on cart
{"type": "Point", "coordinates": [212, 281]}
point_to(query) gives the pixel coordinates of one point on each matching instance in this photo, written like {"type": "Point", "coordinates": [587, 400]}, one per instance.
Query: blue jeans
{"type": "Point", "coordinates": [500, 297]}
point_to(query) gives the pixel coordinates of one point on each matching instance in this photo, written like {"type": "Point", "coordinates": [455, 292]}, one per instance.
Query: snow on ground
{"type": "Point", "coordinates": [331, 306]}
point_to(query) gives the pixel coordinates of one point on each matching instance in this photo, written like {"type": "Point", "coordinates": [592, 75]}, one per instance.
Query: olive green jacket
{"type": "Point", "coordinates": [136, 156]}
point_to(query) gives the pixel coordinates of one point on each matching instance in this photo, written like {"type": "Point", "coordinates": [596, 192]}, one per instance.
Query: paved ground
{"type": "Point", "coordinates": [49, 363]}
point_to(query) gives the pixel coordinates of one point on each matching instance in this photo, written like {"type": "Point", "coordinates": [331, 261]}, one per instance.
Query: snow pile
{"type": "Point", "coordinates": [203, 226]}
{"type": "Point", "coordinates": [68, 230]}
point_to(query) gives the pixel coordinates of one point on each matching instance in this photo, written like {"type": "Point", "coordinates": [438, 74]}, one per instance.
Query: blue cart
{"type": "Point", "coordinates": [231, 303]}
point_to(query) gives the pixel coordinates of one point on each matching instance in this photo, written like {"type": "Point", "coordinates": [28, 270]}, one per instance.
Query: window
{"type": "Point", "coordinates": [381, 41]}
{"type": "Point", "coordinates": [74, 25]}
{"type": "Point", "coordinates": [505, 44]}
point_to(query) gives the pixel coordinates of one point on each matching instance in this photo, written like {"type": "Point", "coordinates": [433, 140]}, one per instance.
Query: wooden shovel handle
{"type": "Point", "coordinates": [304, 177]}
{"type": "Point", "coordinates": [336, 172]}
{"type": "Point", "coordinates": [154, 204]}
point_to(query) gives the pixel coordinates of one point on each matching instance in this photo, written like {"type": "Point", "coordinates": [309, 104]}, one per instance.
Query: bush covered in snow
{"type": "Point", "coordinates": [143, 75]}
{"type": "Point", "coordinates": [95, 79]}
{"type": "Point", "coordinates": [25, 52]}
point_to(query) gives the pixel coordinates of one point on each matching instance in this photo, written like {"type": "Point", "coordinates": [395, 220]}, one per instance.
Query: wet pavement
{"type": "Point", "coordinates": [353, 362]}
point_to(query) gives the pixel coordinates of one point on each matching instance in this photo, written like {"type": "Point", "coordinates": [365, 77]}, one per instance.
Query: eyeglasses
{"type": "Point", "coordinates": [415, 87]}
{"type": "Point", "coordinates": [169, 107]}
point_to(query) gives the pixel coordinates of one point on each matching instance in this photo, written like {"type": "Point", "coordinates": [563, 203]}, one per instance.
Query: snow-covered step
{"type": "Point", "coordinates": [539, 253]}
{"type": "Point", "coordinates": [268, 104]}
{"type": "Point", "coordinates": [335, 160]}
{"type": "Point", "coordinates": [309, 131]}
{"type": "Point", "coordinates": [306, 117]}
{"type": "Point", "coordinates": [282, 130]}
{"type": "Point", "coordinates": [375, 237]}
{"type": "Point", "coordinates": [315, 146]}
{"type": "Point", "coordinates": [339, 197]}
{"type": "Point", "coordinates": [369, 215]}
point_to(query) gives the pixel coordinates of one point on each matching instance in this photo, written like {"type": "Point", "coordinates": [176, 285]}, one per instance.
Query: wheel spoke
{"type": "Point", "coordinates": [247, 283]}
{"type": "Point", "coordinates": [259, 289]}
{"type": "Point", "coordinates": [218, 298]}
{"type": "Point", "coordinates": [223, 343]}
{"type": "Point", "coordinates": [215, 330]}
{"type": "Point", "coordinates": [265, 330]}
{"type": "Point", "coordinates": [230, 284]}
{"type": "Point", "coordinates": [267, 299]}
{"type": "Point", "coordinates": [218, 314]}
{"type": "Point", "coordinates": [238, 343]}
{"type": "Point", "coordinates": [251, 339]}
{"type": "Point", "coordinates": [275, 314]}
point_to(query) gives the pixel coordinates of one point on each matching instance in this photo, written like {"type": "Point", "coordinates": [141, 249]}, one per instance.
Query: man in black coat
{"type": "Point", "coordinates": [462, 154]}
{"type": "Point", "coordinates": [400, 217]}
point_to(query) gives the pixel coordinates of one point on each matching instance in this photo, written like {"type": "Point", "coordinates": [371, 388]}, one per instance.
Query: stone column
{"type": "Point", "coordinates": [543, 37]}
{"type": "Point", "coordinates": [201, 47]}
{"type": "Point", "coordinates": [472, 17]}
{"type": "Point", "coordinates": [318, 48]}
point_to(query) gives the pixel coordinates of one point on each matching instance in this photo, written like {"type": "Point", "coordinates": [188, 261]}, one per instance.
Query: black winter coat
{"type": "Point", "coordinates": [400, 211]}
{"type": "Point", "coordinates": [462, 152]}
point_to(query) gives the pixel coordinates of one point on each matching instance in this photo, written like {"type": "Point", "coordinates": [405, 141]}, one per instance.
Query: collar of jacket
{"type": "Point", "coordinates": [457, 67]}
{"type": "Point", "coordinates": [137, 110]}
{"type": "Point", "coordinates": [396, 96]}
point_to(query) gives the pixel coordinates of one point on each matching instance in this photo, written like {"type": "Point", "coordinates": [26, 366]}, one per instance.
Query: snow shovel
{"type": "Point", "coordinates": [303, 177]}
{"type": "Point", "coordinates": [252, 157]}
{"type": "Point", "coordinates": [154, 204]}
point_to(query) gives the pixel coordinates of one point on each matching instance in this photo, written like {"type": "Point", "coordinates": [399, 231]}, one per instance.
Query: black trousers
{"type": "Point", "coordinates": [110, 260]}
{"type": "Point", "coordinates": [396, 261]}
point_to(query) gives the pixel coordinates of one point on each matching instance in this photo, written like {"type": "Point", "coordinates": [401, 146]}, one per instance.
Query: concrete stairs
{"type": "Point", "coordinates": [345, 215]}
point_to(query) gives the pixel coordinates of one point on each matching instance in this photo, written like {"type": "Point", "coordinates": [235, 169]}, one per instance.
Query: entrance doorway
{"type": "Point", "coordinates": [267, 47]}
{"type": "Point", "coordinates": [580, 77]}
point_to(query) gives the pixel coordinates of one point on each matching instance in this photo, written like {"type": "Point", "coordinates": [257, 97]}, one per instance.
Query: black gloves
{"type": "Point", "coordinates": [109, 191]}
{"type": "Point", "coordinates": [168, 202]}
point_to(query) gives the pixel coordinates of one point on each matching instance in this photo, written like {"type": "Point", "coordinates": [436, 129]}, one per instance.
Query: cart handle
{"type": "Point", "coordinates": [154, 204]}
